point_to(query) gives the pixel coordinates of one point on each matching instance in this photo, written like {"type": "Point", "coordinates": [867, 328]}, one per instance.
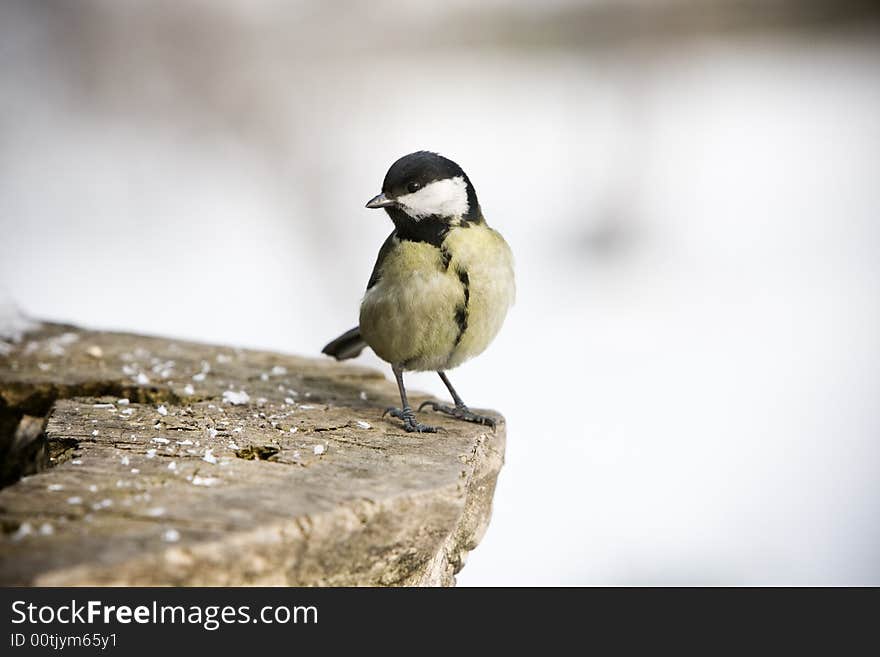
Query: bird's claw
{"type": "Point", "coordinates": [460, 413]}
{"type": "Point", "coordinates": [410, 423]}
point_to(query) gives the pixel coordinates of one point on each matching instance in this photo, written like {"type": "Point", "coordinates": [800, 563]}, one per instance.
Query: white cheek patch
{"type": "Point", "coordinates": [445, 198]}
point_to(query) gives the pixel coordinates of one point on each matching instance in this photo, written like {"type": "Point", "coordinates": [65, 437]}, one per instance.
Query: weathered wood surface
{"type": "Point", "coordinates": [225, 467]}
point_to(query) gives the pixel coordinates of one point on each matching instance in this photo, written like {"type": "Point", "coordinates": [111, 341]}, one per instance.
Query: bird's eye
{"type": "Point", "coordinates": [413, 187]}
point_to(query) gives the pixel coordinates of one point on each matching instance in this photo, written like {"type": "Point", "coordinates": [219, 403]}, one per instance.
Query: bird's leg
{"type": "Point", "coordinates": [460, 411]}
{"type": "Point", "coordinates": [406, 412]}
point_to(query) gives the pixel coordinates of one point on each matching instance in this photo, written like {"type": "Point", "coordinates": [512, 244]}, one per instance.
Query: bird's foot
{"type": "Point", "coordinates": [409, 420]}
{"type": "Point", "coordinates": [460, 412]}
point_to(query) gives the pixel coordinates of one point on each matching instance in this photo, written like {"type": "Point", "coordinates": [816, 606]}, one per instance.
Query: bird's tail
{"type": "Point", "coordinates": [348, 345]}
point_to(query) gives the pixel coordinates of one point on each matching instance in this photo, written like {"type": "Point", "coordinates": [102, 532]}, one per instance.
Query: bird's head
{"type": "Point", "coordinates": [425, 186]}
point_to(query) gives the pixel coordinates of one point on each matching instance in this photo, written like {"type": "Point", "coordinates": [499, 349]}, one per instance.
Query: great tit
{"type": "Point", "coordinates": [442, 283]}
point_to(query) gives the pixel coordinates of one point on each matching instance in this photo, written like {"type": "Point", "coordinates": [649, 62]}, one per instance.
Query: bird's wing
{"type": "Point", "coordinates": [383, 253]}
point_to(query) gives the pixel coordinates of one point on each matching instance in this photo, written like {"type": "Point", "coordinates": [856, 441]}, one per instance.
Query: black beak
{"type": "Point", "coordinates": [380, 201]}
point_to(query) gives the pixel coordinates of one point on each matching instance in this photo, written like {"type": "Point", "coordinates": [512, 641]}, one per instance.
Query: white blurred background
{"type": "Point", "coordinates": [691, 374]}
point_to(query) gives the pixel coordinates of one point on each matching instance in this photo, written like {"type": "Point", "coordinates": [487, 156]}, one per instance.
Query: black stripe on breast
{"type": "Point", "coordinates": [445, 258]}
{"type": "Point", "coordinates": [461, 312]}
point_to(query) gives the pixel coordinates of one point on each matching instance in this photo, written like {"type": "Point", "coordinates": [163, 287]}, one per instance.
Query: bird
{"type": "Point", "coordinates": [442, 284]}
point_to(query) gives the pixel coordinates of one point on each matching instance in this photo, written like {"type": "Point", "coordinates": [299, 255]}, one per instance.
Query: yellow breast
{"type": "Point", "coordinates": [485, 256]}
{"type": "Point", "coordinates": [433, 308]}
